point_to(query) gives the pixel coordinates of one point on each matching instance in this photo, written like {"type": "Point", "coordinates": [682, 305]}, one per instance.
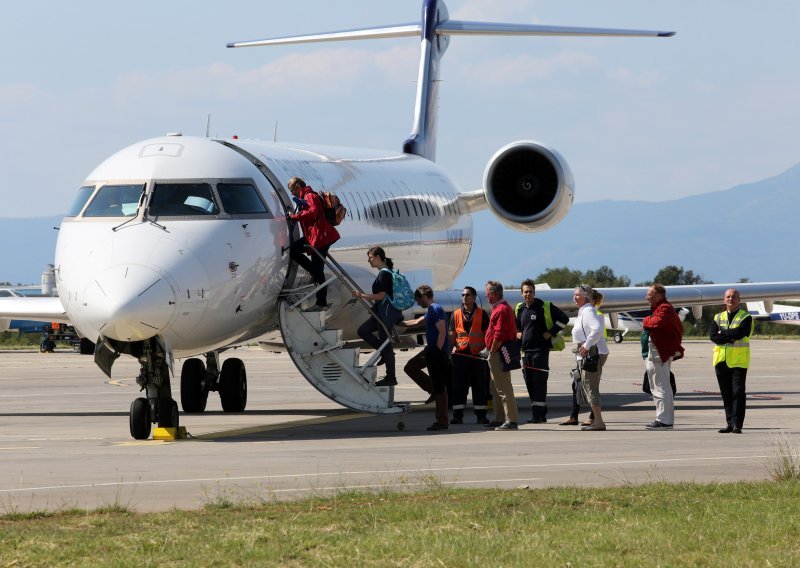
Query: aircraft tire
{"type": "Point", "coordinates": [193, 394]}
{"type": "Point", "coordinates": [140, 419]}
{"type": "Point", "coordinates": [233, 386]}
{"type": "Point", "coordinates": [167, 413]}
{"type": "Point", "coordinates": [617, 338]}
{"type": "Point", "coordinates": [86, 346]}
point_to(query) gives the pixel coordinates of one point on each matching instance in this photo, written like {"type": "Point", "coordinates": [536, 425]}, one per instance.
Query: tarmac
{"type": "Point", "coordinates": [65, 442]}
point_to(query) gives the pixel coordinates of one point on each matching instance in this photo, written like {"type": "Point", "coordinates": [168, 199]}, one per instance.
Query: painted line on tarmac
{"type": "Point", "coordinates": [388, 472]}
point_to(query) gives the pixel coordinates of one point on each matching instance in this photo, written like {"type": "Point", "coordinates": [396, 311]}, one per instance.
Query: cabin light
{"type": "Point", "coordinates": [174, 134]}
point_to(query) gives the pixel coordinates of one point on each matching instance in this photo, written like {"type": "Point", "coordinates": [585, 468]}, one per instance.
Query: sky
{"type": "Point", "coordinates": [649, 119]}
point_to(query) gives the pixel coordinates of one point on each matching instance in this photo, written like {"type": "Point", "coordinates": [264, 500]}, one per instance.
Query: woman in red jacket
{"type": "Point", "coordinates": [317, 232]}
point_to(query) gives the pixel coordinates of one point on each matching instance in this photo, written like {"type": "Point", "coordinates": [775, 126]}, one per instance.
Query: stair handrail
{"type": "Point", "coordinates": [345, 277]}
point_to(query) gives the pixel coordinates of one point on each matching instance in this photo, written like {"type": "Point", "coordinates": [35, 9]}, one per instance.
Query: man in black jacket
{"type": "Point", "coordinates": [538, 323]}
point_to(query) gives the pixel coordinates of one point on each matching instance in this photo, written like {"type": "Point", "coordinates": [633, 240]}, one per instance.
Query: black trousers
{"type": "Point", "coordinates": [470, 371]}
{"type": "Point", "coordinates": [535, 371]}
{"type": "Point", "coordinates": [313, 265]}
{"type": "Point", "coordinates": [731, 382]}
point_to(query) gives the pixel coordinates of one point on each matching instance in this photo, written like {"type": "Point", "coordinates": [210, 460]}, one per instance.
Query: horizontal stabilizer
{"type": "Point", "coordinates": [454, 27]}
{"type": "Point", "coordinates": [402, 30]}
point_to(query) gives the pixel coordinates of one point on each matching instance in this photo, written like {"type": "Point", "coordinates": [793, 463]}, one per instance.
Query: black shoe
{"type": "Point", "coordinates": [379, 362]}
{"type": "Point", "coordinates": [508, 426]}
{"type": "Point", "coordinates": [727, 430]}
{"type": "Point", "coordinates": [492, 425]}
{"type": "Point", "coordinates": [436, 426]}
{"type": "Point", "coordinates": [430, 399]}
{"type": "Point", "coordinates": [656, 425]}
{"type": "Point", "coordinates": [736, 430]}
{"type": "Point", "coordinates": [482, 420]}
{"type": "Point", "coordinates": [386, 382]}
{"type": "Point", "coordinates": [457, 420]}
{"type": "Point", "coordinates": [537, 420]}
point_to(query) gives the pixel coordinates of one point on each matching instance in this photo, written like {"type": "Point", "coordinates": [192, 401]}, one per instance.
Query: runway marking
{"type": "Point", "coordinates": [22, 448]}
{"type": "Point", "coordinates": [344, 474]}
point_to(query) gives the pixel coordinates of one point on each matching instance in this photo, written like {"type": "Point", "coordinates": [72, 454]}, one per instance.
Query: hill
{"type": "Point", "coordinates": [742, 232]}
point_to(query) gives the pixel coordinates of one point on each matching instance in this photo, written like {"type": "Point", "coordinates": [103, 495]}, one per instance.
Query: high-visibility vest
{"type": "Point", "coordinates": [734, 354]}
{"type": "Point", "coordinates": [472, 339]}
{"type": "Point", "coordinates": [602, 319]}
{"type": "Point", "coordinates": [556, 341]}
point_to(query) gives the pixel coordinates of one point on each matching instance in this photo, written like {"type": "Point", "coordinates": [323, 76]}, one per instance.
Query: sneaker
{"type": "Point", "coordinates": [656, 425]}
{"type": "Point", "coordinates": [386, 382]}
{"type": "Point", "coordinates": [492, 425]}
{"type": "Point", "coordinates": [508, 426]}
{"type": "Point", "coordinates": [436, 426]}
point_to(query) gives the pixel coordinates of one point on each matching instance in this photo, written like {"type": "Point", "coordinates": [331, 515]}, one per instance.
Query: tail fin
{"type": "Point", "coordinates": [435, 30]}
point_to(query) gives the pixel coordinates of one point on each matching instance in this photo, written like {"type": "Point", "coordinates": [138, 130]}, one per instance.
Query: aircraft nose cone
{"type": "Point", "coordinates": [129, 303]}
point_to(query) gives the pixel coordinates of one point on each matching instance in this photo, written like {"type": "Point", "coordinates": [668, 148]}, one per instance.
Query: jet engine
{"type": "Point", "coordinates": [528, 186]}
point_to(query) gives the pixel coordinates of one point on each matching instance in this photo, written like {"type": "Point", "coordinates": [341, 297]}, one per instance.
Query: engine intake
{"type": "Point", "coordinates": [528, 186]}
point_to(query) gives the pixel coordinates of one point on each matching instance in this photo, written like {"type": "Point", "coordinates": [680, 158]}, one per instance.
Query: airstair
{"type": "Point", "coordinates": [330, 364]}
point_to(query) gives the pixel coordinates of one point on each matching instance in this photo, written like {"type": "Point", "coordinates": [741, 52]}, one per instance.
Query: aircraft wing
{"type": "Point", "coordinates": [47, 309]}
{"type": "Point", "coordinates": [625, 299]}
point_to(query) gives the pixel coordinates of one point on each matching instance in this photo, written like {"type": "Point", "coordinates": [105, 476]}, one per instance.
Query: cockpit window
{"type": "Point", "coordinates": [182, 199]}
{"type": "Point", "coordinates": [240, 199]}
{"type": "Point", "coordinates": [84, 193]}
{"type": "Point", "coordinates": [115, 201]}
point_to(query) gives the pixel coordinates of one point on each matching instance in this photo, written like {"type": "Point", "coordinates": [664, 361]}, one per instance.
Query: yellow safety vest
{"type": "Point", "coordinates": [734, 354]}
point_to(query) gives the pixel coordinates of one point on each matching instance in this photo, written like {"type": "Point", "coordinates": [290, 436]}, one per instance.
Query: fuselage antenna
{"type": "Point", "coordinates": [275, 132]}
{"type": "Point", "coordinates": [208, 124]}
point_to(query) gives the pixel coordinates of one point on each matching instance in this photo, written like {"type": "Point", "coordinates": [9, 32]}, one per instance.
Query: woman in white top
{"type": "Point", "coordinates": [587, 333]}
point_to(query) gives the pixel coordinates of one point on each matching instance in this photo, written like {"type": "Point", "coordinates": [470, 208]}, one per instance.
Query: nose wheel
{"type": "Point", "coordinates": [140, 419]}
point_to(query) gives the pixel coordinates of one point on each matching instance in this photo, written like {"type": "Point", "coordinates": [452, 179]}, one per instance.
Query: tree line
{"type": "Point", "coordinates": [671, 275]}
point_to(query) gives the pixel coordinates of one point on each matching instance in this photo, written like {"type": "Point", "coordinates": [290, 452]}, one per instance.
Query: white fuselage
{"type": "Point", "coordinates": [205, 281]}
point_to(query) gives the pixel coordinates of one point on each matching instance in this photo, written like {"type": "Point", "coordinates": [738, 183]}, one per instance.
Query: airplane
{"type": "Point", "coordinates": [774, 313]}
{"type": "Point", "coordinates": [176, 247]}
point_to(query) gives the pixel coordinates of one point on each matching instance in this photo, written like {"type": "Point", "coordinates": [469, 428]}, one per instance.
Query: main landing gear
{"type": "Point", "coordinates": [198, 379]}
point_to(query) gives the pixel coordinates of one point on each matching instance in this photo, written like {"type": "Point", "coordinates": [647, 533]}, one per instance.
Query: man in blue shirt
{"type": "Point", "coordinates": [437, 352]}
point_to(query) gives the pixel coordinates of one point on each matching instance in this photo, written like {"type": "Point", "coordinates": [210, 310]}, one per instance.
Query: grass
{"type": "Point", "coordinates": [656, 524]}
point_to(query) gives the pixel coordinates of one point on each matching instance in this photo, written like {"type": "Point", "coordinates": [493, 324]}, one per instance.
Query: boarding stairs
{"type": "Point", "coordinates": [330, 364]}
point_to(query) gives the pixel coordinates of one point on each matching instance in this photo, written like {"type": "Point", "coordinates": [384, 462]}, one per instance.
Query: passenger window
{"type": "Point", "coordinates": [84, 193]}
{"type": "Point", "coordinates": [115, 201]}
{"type": "Point", "coordinates": [182, 199]}
{"type": "Point", "coordinates": [241, 199]}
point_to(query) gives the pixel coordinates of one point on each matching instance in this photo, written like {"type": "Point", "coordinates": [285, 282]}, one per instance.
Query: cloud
{"type": "Point", "coordinates": [337, 72]}
{"type": "Point", "coordinates": [521, 69]}
{"type": "Point", "coordinates": [628, 76]}
{"type": "Point", "coordinates": [521, 11]}
{"type": "Point", "coordinates": [19, 95]}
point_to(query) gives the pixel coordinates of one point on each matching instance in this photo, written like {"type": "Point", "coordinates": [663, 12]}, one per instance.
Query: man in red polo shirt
{"type": "Point", "coordinates": [502, 328]}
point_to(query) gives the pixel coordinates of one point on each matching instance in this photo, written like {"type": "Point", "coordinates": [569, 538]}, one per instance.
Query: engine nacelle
{"type": "Point", "coordinates": [528, 186]}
